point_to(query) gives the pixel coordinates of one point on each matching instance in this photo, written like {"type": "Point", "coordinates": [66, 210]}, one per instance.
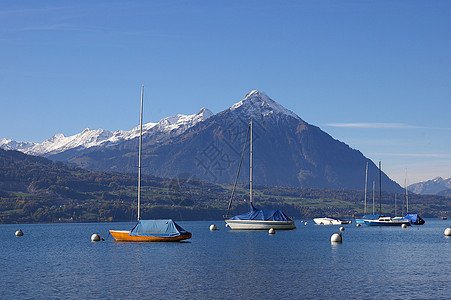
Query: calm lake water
{"type": "Point", "coordinates": [60, 261]}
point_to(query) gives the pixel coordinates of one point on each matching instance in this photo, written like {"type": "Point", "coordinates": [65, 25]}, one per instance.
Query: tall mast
{"type": "Point", "coordinates": [380, 190]}
{"type": "Point", "coordinates": [373, 196]}
{"type": "Point", "coordinates": [366, 181]}
{"type": "Point", "coordinates": [140, 150]}
{"type": "Point", "coordinates": [395, 204]}
{"type": "Point", "coordinates": [407, 195]}
{"type": "Point", "coordinates": [250, 172]}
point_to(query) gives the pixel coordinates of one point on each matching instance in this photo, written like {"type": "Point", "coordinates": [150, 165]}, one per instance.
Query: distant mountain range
{"type": "Point", "coordinates": [287, 150]}
{"type": "Point", "coordinates": [158, 132]}
{"type": "Point", "coordinates": [436, 186]}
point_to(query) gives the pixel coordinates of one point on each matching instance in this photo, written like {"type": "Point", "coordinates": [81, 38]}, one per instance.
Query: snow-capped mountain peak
{"type": "Point", "coordinates": [183, 122]}
{"type": "Point", "coordinates": [167, 127]}
{"type": "Point", "coordinates": [9, 144]}
{"type": "Point", "coordinates": [433, 186]}
{"type": "Point", "coordinates": [258, 104]}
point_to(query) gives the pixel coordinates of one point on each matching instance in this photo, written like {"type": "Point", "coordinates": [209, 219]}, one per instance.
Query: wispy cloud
{"type": "Point", "coordinates": [374, 125]}
{"type": "Point", "coordinates": [46, 27]}
{"type": "Point", "coordinates": [417, 155]}
{"type": "Point", "coordinates": [383, 126]}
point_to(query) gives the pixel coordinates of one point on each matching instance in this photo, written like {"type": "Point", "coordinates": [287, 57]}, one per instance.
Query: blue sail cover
{"type": "Point", "coordinates": [414, 219]}
{"type": "Point", "coordinates": [158, 228]}
{"type": "Point", "coordinates": [262, 215]}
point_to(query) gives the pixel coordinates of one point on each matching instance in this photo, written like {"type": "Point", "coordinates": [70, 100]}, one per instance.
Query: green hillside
{"type": "Point", "coordinates": [35, 189]}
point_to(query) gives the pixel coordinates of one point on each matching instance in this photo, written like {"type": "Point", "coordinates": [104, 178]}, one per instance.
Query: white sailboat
{"type": "Point", "coordinates": [256, 219]}
{"type": "Point", "coordinates": [365, 216]}
{"type": "Point", "coordinates": [383, 220]}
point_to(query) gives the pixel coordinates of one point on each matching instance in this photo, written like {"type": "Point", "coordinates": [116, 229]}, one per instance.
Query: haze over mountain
{"type": "Point", "coordinates": [436, 186]}
{"type": "Point", "coordinates": [287, 150]}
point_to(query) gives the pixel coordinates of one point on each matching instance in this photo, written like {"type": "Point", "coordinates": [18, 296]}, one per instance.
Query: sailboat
{"type": "Point", "coordinates": [149, 230]}
{"type": "Point", "coordinates": [256, 219]}
{"type": "Point", "coordinates": [415, 219]}
{"type": "Point", "coordinates": [365, 216]}
{"type": "Point", "coordinates": [383, 220]}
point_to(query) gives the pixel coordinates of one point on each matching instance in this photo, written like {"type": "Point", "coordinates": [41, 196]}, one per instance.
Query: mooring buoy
{"type": "Point", "coordinates": [19, 232]}
{"type": "Point", "coordinates": [336, 238]}
{"type": "Point", "coordinates": [448, 231]}
{"type": "Point", "coordinates": [271, 231]}
{"type": "Point", "coordinates": [342, 228]}
{"type": "Point", "coordinates": [213, 227]}
{"type": "Point", "coordinates": [95, 237]}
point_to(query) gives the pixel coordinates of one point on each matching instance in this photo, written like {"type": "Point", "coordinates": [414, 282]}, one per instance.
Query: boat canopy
{"type": "Point", "coordinates": [414, 219]}
{"type": "Point", "coordinates": [160, 228]}
{"type": "Point", "coordinates": [371, 217]}
{"type": "Point", "coordinates": [262, 215]}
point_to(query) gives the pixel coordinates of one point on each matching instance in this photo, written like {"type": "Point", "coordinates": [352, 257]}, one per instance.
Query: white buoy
{"type": "Point", "coordinates": [213, 227]}
{"type": "Point", "coordinates": [19, 232]}
{"type": "Point", "coordinates": [95, 237]}
{"type": "Point", "coordinates": [357, 225]}
{"type": "Point", "coordinates": [271, 231]}
{"type": "Point", "coordinates": [336, 238]}
{"type": "Point", "coordinates": [350, 222]}
{"type": "Point", "coordinates": [404, 226]}
{"type": "Point", "coordinates": [342, 228]}
{"type": "Point", "coordinates": [448, 231]}
{"type": "Point", "coordinates": [305, 223]}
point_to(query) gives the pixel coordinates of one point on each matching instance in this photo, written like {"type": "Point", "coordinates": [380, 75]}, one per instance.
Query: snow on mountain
{"type": "Point", "coordinates": [170, 126]}
{"type": "Point", "coordinates": [431, 187]}
{"type": "Point", "coordinates": [8, 144]}
{"type": "Point", "coordinates": [180, 123]}
{"type": "Point", "coordinates": [257, 105]}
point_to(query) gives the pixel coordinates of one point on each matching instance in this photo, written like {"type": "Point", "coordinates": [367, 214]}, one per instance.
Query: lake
{"type": "Point", "coordinates": [59, 261]}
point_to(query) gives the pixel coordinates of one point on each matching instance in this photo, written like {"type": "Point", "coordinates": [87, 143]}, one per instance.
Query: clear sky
{"type": "Point", "coordinates": [373, 74]}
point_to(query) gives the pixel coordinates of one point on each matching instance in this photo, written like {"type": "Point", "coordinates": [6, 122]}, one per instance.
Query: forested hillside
{"type": "Point", "coordinates": [35, 189]}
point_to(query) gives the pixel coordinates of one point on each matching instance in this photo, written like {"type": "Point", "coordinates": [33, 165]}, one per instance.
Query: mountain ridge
{"type": "Point", "coordinates": [287, 150]}
{"type": "Point", "coordinates": [436, 186]}
{"type": "Point", "coordinates": [88, 138]}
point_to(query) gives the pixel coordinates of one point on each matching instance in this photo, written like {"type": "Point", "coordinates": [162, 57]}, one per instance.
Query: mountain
{"type": "Point", "coordinates": [435, 186]}
{"type": "Point", "coordinates": [287, 150]}
{"type": "Point", "coordinates": [163, 130]}
{"type": "Point", "coordinates": [445, 193]}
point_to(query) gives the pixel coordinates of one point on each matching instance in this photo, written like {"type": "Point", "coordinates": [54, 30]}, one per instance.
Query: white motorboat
{"type": "Point", "coordinates": [329, 221]}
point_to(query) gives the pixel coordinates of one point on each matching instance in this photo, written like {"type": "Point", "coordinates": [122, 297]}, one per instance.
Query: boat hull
{"type": "Point", "coordinates": [329, 221]}
{"type": "Point", "coordinates": [386, 223]}
{"type": "Point", "coordinates": [124, 236]}
{"type": "Point", "coordinates": [259, 225]}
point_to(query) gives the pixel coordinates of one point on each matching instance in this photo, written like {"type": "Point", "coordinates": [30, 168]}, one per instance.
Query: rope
{"type": "Point", "coordinates": [238, 174]}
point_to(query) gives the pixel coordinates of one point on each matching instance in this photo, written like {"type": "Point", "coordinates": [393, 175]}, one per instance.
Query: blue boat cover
{"type": "Point", "coordinates": [414, 219]}
{"type": "Point", "coordinates": [159, 228]}
{"type": "Point", "coordinates": [370, 217]}
{"type": "Point", "coordinates": [262, 215]}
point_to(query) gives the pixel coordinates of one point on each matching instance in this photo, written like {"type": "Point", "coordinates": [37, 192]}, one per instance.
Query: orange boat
{"type": "Point", "coordinates": [150, 230]}
{"type": "Point", "coordinates": [124, 236]}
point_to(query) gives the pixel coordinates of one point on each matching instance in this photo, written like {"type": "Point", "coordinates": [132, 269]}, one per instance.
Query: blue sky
{"type": "Point", "coordinates": [373, 74]}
